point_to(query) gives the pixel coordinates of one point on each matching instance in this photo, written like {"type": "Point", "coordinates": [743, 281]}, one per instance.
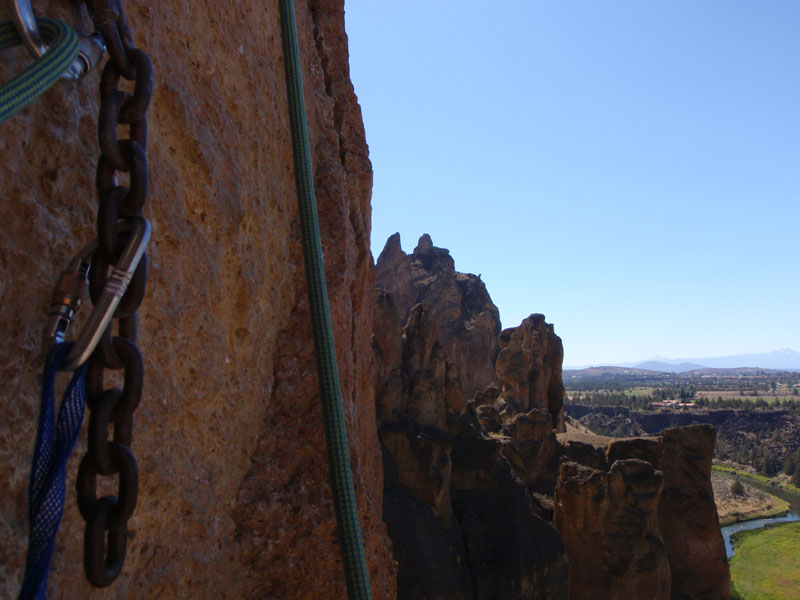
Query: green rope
{"type": "Point", "coordinates": [355, 564]}
{"type": "Point", "coordinates": [36, 78]}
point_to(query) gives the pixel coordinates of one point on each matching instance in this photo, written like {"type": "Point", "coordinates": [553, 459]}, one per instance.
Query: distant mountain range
{"type": "Point", "coordinates": [668, 367]}
{"type": "Point", "coordinates": [783, 360]}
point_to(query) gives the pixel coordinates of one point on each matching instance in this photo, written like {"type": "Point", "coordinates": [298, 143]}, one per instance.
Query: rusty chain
{"type": "Point", "coordinates": [107, 517]}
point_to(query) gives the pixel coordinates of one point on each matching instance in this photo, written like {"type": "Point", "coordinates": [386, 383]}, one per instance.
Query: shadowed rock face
{"type": "Point", "coordinates": [472, 488]}
{"type": "Point", "coordinates": [686, 524]}
{"type": "Point", "coordinates": [462, 523]}
{"type": "Point", "coordinates": [416, 382]}
{"type": "Point", "coordinates": [420, 460]}
{"type": "Point", "coordinates": [529, 369]}
{"type": "Point", "coordinates": [431, 556]}
{"type": "Point", "coordinates": [688, 515]}
{"type": "Point", "coordinates": [510, 551]}
{"type": "Point", "coordinates": [609, 524]}
{"type": "Point", "coordinates": [466, 319]}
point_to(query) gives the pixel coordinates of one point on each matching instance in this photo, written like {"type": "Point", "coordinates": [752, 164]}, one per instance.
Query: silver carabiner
{"type": "Point", "coordinates": [68, 295]}
{"type": "Point", "coordinates": [28, 30]}
{"type": "Point", "coordinates": [91, 49]}
{"type": "Point", "coordinates": [72, 284]}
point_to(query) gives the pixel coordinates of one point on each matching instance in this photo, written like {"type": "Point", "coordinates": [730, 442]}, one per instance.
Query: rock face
{"type": "Point", "coordinates": [609, 523]}
{"type": "Point", "coordinates": [688, 515]}
{"type": "Point", "coordinates": [482, 500]}
{"type": "Point", "coordinates": [234, 500]}
{"type": "Point", "coordinates": [466, 319]}
{"type": "Point", "coordinates": [655, 529]}
{"type": "Point", "coordinates": [529, 403]}
{"type": "Point", "coordinates": [533, 449]}
{"type": "Point", "coordinates": [462, 523]}
{"type": "Point", "coordinates": [510, 551]}
{"type": "Point", "coordinates": [529, 369]}
{"type": "Point", "coordinates": [416, 381]}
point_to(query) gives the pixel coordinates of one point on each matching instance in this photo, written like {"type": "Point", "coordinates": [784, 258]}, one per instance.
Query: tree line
{"type": "Point", "coordinates": [685, 394]}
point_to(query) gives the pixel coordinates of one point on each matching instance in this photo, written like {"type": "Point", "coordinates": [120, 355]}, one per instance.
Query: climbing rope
{"type": "Point", "coordinates": [54, 441]}
{"type": "Point", "coordinates": [37, 77]}
{"type": "Point", "coordinates": [355, 566]}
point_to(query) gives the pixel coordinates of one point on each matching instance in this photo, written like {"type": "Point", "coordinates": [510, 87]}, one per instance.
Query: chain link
{"type": "Point", "coordinates": [107, 517]}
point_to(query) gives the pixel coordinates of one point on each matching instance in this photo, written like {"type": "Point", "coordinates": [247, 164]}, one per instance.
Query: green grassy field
{"type": "Point", "coordinates": [755, 477]}
{"type": "Point", "coordinates": [765, 563]}
{"type": "Point", "coordinates": [768, 397]}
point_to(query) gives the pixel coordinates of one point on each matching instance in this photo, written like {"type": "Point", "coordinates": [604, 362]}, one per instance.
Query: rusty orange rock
{"type": "Point", "coordinates": [609, 524]}
{"type": "Point", "coordinates": [688, 515]}
{"type": "Point", "coordinates": [234, 499]}
{"type": "Point", "coordinates": [529, 369]}
{"type": "Point", "coordinates": [466, 319]}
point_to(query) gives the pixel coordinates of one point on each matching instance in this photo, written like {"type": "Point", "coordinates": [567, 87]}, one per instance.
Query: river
{"type": "Point", "coordinates": [794, 514]}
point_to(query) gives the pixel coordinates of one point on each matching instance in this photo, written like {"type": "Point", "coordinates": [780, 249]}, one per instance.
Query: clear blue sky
{"type": "Point", "coordinates": [629, 169]}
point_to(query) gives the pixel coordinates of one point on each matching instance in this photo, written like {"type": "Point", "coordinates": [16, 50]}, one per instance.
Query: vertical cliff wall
{"type": "Point", "coordinates": [529, 369]}
{"type": "Point", "coordinates": [462, 522]}
{"type": "Point", "coordinates": [467, 320]}
{"type": "Point", "coordinates": [234, 500]}
{"type": "Point", "coordinates": [487, 496]}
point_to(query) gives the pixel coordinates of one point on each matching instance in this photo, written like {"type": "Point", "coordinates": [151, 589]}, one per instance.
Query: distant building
{"type": "Point", "coordinates": [673, 404]}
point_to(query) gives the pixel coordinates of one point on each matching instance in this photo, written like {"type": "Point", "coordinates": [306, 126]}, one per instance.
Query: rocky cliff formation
{"type": "Point", "coordinates": [638, 517]}
{"type": "Point", "coordinates": [688, 516]}
{"type": "Point", "coordinates": [460, 515]}
{"type": "Point", "coordinates": [483, 501]}
{"type": "Point", "coordinates": [529, 368]}
{"type": "Point", "coordinates": [446, 480]}
{"type": "Point", "coordinates": [609, 523]}
{"type": "Point", "coordinates": [744, 436]}
{"type": "Point", "coordinates": [234, 499]}
{"type": "Point", "coordinates": [466, 319]}
{"type": "Point", "coordinates": [416, 381]}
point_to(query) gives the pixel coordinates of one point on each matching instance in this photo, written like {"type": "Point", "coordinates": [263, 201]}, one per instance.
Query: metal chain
{"type": "Point", "coordinates": [119, 208]}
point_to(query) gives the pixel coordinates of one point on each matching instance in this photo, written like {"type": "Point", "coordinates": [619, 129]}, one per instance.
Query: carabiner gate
{"type": "Point", "coordinates": [28, 30]}
{"type": "Point", "coordinates": [72, 285]}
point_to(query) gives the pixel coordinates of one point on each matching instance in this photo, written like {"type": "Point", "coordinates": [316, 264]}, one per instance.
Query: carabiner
{"type": "Point", "coordinates": [68, 295]}
{"type": "Point", "coordinates": [28, 30]}
{"type": "Point", "coordinates": [72, 285]}
{"type": "Point", "coordinates": [91, 49]}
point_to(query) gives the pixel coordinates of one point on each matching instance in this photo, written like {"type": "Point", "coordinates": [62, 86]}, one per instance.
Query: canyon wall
{"type": "Point", "coordinates": [234, 500]}
{"type": "Point", "coordinates": [488, 495]}
{"type": "Point", "coordinates": [461, 520]}
{"type": "Point", "coordinates": [467, 320]}
{"type": "Point", "coordinates": [638, 517]}
{"type": "Point", "coordinates": [465, 457]}
{"type": "Point", "coordinates": [452, 423]}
